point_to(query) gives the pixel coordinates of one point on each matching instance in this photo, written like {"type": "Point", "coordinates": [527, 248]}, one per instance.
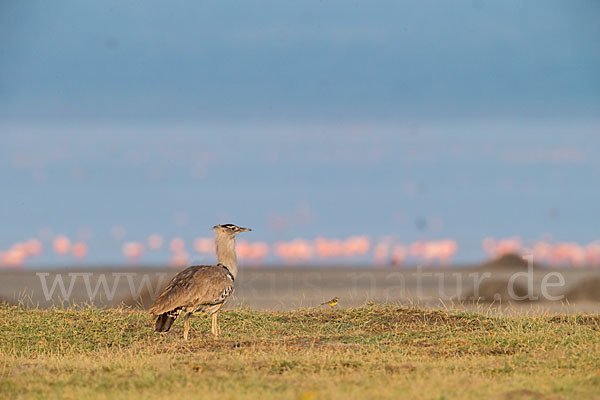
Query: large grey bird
{"type": "Point", "coordinates": [200, 287]}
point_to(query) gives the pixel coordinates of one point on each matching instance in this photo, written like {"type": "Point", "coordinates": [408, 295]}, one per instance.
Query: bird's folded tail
{"type": "Point", "coordinates": [164, 322]}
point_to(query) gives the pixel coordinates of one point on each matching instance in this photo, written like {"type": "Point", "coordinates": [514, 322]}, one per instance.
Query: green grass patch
{"type": "Point", "coordinates": [373, 351]}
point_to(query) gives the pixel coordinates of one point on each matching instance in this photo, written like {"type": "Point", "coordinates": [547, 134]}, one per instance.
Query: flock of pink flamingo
{"type": "Point", "coordinates": [385, 251]}
{"type": "Point", "coordinates": [548, 251]}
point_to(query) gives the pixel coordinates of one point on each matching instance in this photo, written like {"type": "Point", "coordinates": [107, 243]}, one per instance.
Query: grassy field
{"type": "Point", "coordinates": [373, 351]}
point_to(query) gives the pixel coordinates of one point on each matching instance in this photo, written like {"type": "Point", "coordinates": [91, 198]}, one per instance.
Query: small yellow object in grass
{"type": "Point", "coordinates": [332, 303]}
{"type": "Point", "coordinates": [308, 395]}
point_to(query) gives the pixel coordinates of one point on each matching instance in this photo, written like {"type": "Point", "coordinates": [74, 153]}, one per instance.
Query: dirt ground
{"type": "Point", "coordinates": [511, 287]}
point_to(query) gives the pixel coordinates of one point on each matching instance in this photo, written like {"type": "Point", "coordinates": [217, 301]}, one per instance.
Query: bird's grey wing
{"type": "Point", "coordinates": [194, 286]}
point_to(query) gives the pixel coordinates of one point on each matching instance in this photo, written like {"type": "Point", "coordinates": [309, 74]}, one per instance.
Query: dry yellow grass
{"type": "Point", "coordinates": [368, 352]}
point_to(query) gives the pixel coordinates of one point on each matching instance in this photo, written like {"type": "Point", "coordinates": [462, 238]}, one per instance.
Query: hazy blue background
{"type": "Point", "coordinates": [415, 120]}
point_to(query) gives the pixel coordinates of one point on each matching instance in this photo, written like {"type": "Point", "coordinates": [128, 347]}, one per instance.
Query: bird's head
{"type": "Point", "coordinates": [229, 230]}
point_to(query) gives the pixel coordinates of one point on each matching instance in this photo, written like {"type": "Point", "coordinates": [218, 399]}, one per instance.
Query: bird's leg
{"type": "Point", "coordinates": [186, 326]}
{"type": "Point", "coordinates": [215, 326]}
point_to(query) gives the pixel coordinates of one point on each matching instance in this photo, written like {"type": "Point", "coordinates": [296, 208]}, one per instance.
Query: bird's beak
{"type": "Point", "coordinates": [245, 229]}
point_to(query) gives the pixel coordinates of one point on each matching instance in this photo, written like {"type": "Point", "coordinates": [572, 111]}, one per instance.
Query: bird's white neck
{"type": "Point", "coordinates": [225, 246]}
